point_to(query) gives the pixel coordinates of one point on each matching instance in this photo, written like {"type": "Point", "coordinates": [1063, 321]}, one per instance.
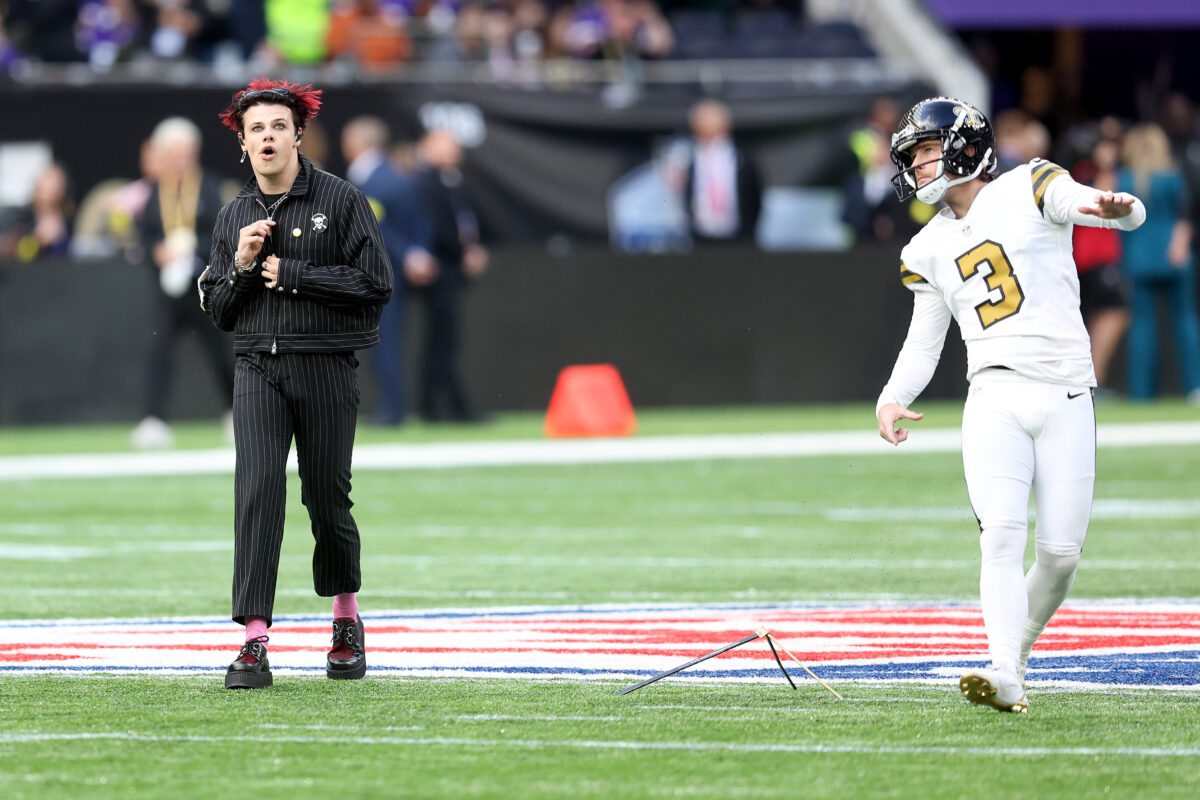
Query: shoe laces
{"type": "Point", "coordinates": [253, 651]}
{"type": "Point", "coordinates": [346, 635]}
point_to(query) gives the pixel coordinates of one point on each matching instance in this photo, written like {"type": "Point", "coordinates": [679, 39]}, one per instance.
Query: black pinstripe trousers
{"type": "Point", "coordinates": [313, 397]}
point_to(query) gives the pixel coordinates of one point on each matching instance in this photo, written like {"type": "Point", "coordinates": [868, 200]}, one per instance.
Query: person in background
{"type": "Point", "coordinates": [440, 282]}
{"type": "Point", "coordinates": [371, 35]}
{"type": "Point", "coordinates": [1180, 125]}
{"type": "Point", "coordinates": [176, 231]}
{"type": "Point", "coordinates": [1102, 292]}
{"type": "Point", "coordinates": [297, 31]}
{"type": "Point", "coordinates": [108, 31]}
{"type": "Point", "coordinates": [127, 204]}
{"type": "Point", "coordinates": [1011, 143]}
{"type": "Point", "coordinates": [43, 228]}
{"type": "Point", "coordinates": [393, 197]}
{"type": "Point", "coordinates": [1157, 261]}
{"type": "Point", "coordinates": [618, 30]}
{"type": "Point", "coordinates": [719, 184]}
{"type": "Point", "coordinates": [246, 23]}
{"type": "Point", "coordinates": [872, 210]}
{"type": "Point", "coordinates": [182, 29]}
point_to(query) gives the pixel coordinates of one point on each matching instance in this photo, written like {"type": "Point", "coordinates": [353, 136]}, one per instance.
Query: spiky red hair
{"type": "Point", "coordinates": [304, 101]}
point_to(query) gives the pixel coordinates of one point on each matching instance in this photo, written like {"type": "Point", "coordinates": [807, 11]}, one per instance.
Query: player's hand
{"type": "Point", "coordinates": [889, 415]}
{"type": "Point", "coordinates": [251, 238]}
{"type": "Point", "coordinates": [1109, 205]}
{"type": "Point", "coordinates": [270, 271]}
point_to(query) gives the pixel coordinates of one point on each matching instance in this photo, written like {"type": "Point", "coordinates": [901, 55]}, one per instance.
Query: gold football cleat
{"type": "Point", "coordinates": [989, 687]}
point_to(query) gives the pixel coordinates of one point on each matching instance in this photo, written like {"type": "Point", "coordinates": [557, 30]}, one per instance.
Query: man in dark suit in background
{"type": "Point", "coordinates": [457, 258]}
{"type": "Point", "coordinates": [394, 199]}
{"type": "Point", "coordinates": [722, 191]}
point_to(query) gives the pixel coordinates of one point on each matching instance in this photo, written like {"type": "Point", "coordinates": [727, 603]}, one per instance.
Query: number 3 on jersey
{"type": "Point", "coordinates": [1001, 278]}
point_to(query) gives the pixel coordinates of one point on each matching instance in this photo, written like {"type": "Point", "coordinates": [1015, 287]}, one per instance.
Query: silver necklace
{"type": "Point", "coordinates": [275, 205]}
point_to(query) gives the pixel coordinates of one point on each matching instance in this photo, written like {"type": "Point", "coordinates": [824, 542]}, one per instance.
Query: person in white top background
{"type": "Point", "coordinates": [997, 259]}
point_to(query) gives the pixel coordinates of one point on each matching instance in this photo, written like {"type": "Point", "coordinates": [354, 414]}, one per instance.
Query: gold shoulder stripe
{"type": "Point", "coordinates": [1041, 169]}
{"type": "Point", "coordinates": [1042, 176]}
{"type": "Point", "coordinates": [907, 276]}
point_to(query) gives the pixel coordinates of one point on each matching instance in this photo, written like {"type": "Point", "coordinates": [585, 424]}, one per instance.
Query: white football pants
{"type": "Point", "coordinates": [1019, 434]}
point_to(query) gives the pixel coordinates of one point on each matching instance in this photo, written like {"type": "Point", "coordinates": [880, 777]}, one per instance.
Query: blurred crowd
{"type": "Point", "coordinates": [379, 35]}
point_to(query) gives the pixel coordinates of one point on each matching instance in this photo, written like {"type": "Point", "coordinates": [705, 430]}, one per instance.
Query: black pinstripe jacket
{"type": "Point", "coordinates": [334, 273]}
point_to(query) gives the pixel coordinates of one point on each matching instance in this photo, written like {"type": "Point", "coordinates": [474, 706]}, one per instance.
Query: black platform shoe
{"type": "Point", "coordinates": [347, 659]}
{"type": "Point", "coordinates": [251, 670]}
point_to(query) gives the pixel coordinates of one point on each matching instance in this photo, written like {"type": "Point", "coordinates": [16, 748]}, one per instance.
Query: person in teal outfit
{"type": "Point", "coordinates": [1157, 262]}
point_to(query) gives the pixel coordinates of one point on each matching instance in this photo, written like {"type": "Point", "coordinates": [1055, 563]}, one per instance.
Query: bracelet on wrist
{"type": "Point", "coordinates": [237, 264]}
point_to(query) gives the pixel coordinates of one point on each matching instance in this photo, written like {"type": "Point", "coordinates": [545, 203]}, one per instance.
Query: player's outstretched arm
{"type": "Point", "coordinates": [1079, 204]}
{"type": "Point", "coordinates": [888, 416]}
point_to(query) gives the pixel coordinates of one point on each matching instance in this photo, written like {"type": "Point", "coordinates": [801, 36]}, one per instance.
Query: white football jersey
{"type": "Point", "coordinates": [1007, 274]}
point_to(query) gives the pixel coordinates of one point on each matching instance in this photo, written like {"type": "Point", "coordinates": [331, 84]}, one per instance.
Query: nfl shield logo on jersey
{"type": "Point", "coordinates": [319, 222]}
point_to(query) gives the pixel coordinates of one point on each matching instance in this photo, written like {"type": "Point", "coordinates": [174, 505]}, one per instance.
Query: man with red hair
{"type": "Point", "coordinates": [299, 273]}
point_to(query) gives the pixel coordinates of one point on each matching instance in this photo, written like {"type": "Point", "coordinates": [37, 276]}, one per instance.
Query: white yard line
{"type": "Point", "coordinates": [533, 452]}
{"type": "Point", "coordinates": [617, 744]}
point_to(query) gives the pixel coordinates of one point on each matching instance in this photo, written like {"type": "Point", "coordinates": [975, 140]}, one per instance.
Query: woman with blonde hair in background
{"type": "Point", "coordinates": [1157, 261]}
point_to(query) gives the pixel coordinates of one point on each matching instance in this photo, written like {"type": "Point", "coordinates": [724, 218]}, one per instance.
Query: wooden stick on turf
{"type": "Point", "coordinates": [771, 638]}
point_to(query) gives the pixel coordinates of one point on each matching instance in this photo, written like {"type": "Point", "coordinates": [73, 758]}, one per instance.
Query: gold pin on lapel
{"type": "Point", "coordinates": [296, 232]}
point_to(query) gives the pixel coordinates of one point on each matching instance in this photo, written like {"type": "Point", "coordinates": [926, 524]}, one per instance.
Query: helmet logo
{"type": "Point", "coordinates": [970, 116]}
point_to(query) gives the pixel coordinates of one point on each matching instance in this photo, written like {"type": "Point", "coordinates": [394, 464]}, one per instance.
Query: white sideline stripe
{"type": "Point", "coordinates": [793, 709]}
{"type": "Point", "coordinates": [53, 552]}
{"type": "Point", "coordinates": [672, 562]}
{"type": "Point", "coordinates": [537, 744]}
{"type": "Point", "coordinates": [340, 728]}
{"type": "Point", "coordinates": [534, 718]}
{"type": "Point", "coordinates": [487, 594]}
{"type": "Point", "coordinates": [449, 455]}
{"type": "Point", "coordinates": [20, 552]}
{"type": "Point", "coordinates": [1104, 508]}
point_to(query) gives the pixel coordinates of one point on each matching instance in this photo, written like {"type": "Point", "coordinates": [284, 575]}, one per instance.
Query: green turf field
{"type": "Point", "coordinates": [774, 529]}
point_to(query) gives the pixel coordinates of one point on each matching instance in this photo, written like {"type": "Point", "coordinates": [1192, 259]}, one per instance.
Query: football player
{"type": "Point", "coordinates": [997, 259]}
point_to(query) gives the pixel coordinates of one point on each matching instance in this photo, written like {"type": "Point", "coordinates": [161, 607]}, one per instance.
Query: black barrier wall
{"type": "Point", "coordinates": [714, 326]}
{"type": "Point", "coordinates": [537, 164]}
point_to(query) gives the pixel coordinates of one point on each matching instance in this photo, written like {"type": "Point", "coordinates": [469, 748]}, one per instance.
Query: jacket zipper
{"type": "Point", "coordinates": [274, 305]}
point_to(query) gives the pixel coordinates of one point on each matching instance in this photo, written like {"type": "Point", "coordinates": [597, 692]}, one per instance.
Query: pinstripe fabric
{"type": "Point", "coordinates": [334, 272]}
{"type": "Point", "coordinates": [314, 399]}
{"type": "Point", "coordinates": [295, 376]}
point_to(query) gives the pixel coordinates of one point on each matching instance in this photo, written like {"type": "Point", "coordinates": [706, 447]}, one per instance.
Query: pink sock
{"type": "Point", "coordinates": [345, 606]}
{"type": "Point", "coordinates": [256, 627]}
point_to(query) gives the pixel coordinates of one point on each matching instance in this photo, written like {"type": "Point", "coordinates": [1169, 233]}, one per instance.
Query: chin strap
{"type": "Point", "coordinates": [936, 189]}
